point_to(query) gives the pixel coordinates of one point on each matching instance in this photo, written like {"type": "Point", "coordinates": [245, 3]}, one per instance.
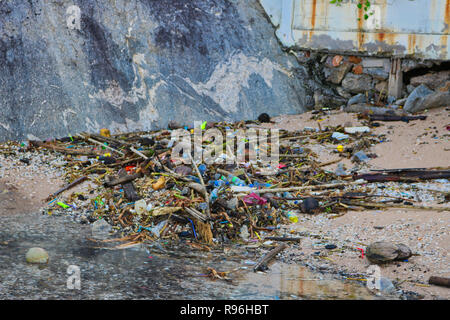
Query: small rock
{"type": "Point", "coordinates": [359, 98]}
{"type": "Point", "coordinates": [343, 93]}
{"type": "Point", "coordinates": [386, 286]}
{"type": "Point", "coordinates": [37, 255]}
{"type": "Point", "coordinates": [264, 117]}
{"type": "Point", "coordinates": [385, 251]}
{"type": "Point", "coordinates": [309, 205]}
{"type": "Point", "coordinates": [100, 229]}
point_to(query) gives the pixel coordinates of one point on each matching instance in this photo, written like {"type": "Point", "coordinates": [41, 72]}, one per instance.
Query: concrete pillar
{"type": "Point", "coordinates": [395, 78]}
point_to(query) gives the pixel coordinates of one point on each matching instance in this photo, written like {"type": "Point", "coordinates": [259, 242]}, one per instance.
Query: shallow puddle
{"type": "Point", "coordinates": [142, 272]}
{"type": "Point", "coordinates": [291, 281]}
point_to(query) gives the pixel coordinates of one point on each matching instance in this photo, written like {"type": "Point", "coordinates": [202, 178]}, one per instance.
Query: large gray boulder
{"type": "Point", "coordinates": [78, 65]}
{"type": "Point", "coordinates": [416, 98]}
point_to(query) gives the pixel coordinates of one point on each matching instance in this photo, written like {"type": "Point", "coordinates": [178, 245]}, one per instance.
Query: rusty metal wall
{"type": "Point", "coordinates": [400, 28]}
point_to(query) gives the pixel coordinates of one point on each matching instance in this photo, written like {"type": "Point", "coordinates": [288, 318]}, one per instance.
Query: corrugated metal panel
{"type": "Point", "coordinates": [400, 28]}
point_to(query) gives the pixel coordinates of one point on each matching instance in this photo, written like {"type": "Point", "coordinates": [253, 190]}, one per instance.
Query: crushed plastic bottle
{"type": "Point", "coordinates": [234, 180]}
{"type": "Point", "coordinates": [340, 136]}
{"type": "Point", "coordinates": [258, 185]}
{"type": "Point", "coordinates": [202, 169]}
{"type": "Point", "coordinates": [214, 195]}
{"type": "Point", "coordinates": [292, 216]}
{"type": "Point", "coordinates": [340, 171]}
{"type": "Point", "coordinates": [140, 206]}
{"type": "Point", "coordinates": [356, 129]}
{"type": "Point", "coordinates": [244, 232]}
{"type": "Point", "coordinates": [361, 156]}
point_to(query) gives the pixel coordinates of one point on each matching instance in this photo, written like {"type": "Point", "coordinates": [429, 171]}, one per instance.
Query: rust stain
{"type": "Point", "coordinates": [447, 16]}
{"type": "Point", "coordinates": [313, 18]}
{"type": "Point", "coordinates": [390, 38]}
{"type": "Point", "coordinates": [412, 43]}
{"type": "Point", "coordinates": [360, 29]}
{"type": "Point", "coordinates": [313, 14]}
{"type": "Point", "coordinates": [444, 39]}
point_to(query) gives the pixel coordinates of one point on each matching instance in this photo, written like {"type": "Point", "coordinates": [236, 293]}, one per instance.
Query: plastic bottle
{"type": "Point", "coordinates": [258, 185]}
{"type": "Point", "coordinates": [292, 216]}
{"type": "Point", "coordinates": [361, 156]}
{"type": "Point", "coordinates": [202, 169]}
{"type": "Point", "coordinates": [140, 206]}
{"type": "Point", "coordinates": [289, 195]}
{"type": "Point", "coordinates": [236, 181]}
{"type": "Point", "coordinates": [219, 183]}
{"type": "Point", "coordinates": [214, 195]}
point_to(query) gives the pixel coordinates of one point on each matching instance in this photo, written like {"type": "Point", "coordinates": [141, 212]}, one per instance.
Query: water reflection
{"type": "Point", "coordinates": [290, 281]}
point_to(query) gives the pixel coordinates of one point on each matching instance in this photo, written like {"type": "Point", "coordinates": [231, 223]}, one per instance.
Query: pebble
{"type": "Point", "coordinates": [100, 229]}
{"type": "Point", "coordinates": [37, 255]}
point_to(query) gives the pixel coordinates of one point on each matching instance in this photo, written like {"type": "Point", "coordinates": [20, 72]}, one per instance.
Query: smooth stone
{"type": "Point", "coordinates": [37, 255]}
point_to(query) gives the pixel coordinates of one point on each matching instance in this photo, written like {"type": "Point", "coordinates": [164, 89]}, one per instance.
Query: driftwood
{"type": "Point", "coordinates": [386, 117]}
{"type": "Point", "coordinates": [283, 239]}
{"type": "Point", "coordinates": [101, 144]}
{"type": "Point", "coordinates": [67, 187]}
{"type": "Point", "coordinates": [401, 206]}
{"type": "Point", "coordinates": [206, 195]}
{"type": "Point", "coordinates": [439, 281]}
{"type": "Point", "coordinates": [261, 265]}
{"type": "Point", "coordinates": [316, 187]}
{"type": "Point", "coordinates": [196, 214]}
{"type": "Point", "coordinates": [405, 175]}
{"type": "Point", "coordinates": [128, 188]}
{"type": "Point", "coordinates": [71, 151]}
{"type": "Point", "coordinates": [123, 179]}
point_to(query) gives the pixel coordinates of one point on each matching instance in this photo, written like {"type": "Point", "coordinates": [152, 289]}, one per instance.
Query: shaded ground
{"type": "Point", "coordinates": [143, 272]}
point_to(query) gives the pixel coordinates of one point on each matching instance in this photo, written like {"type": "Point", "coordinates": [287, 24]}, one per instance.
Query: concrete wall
{"type": "Point", "coordinates": [400, 28]}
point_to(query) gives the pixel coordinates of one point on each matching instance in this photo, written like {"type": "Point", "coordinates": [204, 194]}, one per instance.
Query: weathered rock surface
{"type": "Point", "coordinates": [359, 98]}
{"type": "Point", "coordinates": [71, 66]}
{"type": "Point", "coordinates": [416, 98]}
{"type": "Point", "coordinates": [432, 80]}
{"type": "Point", "coordinates": [338, 73]}
{"type": "Point", "coordinates": [357, 83]}
{"type": "Point", "coordinates": [328, 101]}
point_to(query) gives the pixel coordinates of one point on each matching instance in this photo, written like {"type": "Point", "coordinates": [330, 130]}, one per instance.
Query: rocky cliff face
{"type": "Point", "coordinates": [79, 65]}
